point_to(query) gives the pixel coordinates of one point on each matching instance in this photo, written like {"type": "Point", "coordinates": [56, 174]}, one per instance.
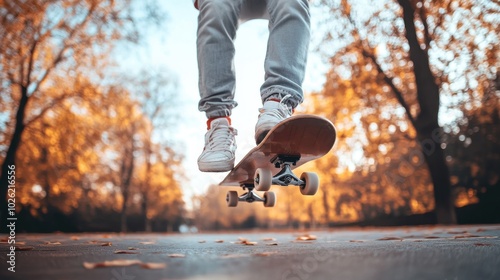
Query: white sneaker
{"type": "Point", "coordinates": [271, 114]}
{"type": "Point", "coordinates": [220, 146]}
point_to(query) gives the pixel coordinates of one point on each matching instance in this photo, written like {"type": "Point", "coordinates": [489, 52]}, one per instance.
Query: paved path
{"type": "Point", "coordinates": [453, 253]}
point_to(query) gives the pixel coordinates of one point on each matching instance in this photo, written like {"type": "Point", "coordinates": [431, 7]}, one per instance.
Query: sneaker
{"type": "Point", "coordinates": [220, 146]}
{"type": "Point", "coordinates": [273, 112]}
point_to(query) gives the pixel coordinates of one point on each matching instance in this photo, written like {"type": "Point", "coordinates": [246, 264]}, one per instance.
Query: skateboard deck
{"type": "Point", "coordinates": [302, 138]}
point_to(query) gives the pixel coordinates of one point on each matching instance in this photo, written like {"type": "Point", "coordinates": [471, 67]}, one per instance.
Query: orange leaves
{"type": "Point", "coordinates": [124, 262]}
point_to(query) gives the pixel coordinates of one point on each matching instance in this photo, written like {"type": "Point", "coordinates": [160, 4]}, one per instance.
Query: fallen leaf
{"type": "Point", "coordinates": [119, 262]}
{"type": "Point", "coordinates": [306, 237]}
{"type": "Point", "coordinates": [219, 241]}
{"type": "Point", "coordinates": [466, 236]}
{"type": "Point", "coordinates": [431, 237]}
{"type": "Point", "coordinates": [24, 248]}
{"type": "Point", "coordinates": [202, 241]}
{"type": "Point", "coordinates": [177, 256]}
{"type": "Point", "coordinates": [125, 252]}
{"type": "Point", "coordinates": [482, 244]}
{"type": "Point", "coordinates": [390, 238]}
{"type": "Point", "coordinates": [233, 256]}
{"type": "Point", "coordinates": [4, 239]}
{"type": "Point", "coordinates": [457, 232]}
{"type": "Point", "coordinates": [272, 244]}
{"type": "Point", "coordinates": [147, 242]}
{"type": "Point", "coordinates": [244, 241]}
{"type": "Point", "coordinates": [75, 238]}
{"type": "Point", "coordinates": [132, 248]}
{"type": "Point", "coordinates": [480, 230]}
{"type": "Point", "coordinates": [106, 244]}
{"type": "Point", "coordinates": [52, 243]}
{"type": "Point", "coordinates": [153, 265]}
{"type": "Point", "coordinates": [356, 241]}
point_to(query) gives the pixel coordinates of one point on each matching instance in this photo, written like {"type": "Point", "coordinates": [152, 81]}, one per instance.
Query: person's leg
{"type": "Point", "coordinates": [289, 34]}
{"type": "Point", "coordinates": [286, 58]}
{"type": "Point", "coordinates": [217, 25]}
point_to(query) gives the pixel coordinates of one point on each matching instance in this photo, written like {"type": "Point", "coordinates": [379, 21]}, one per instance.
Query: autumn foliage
{"type": "Point", "coordinates": [413, 90]}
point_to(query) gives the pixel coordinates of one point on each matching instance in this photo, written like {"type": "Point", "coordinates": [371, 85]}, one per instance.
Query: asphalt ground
{"type": "Point", "coordinates": [427, 252]}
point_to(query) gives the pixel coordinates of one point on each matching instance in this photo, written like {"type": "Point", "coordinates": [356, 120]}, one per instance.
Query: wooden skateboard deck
{"type": "Point", "coordinates": [306, 136]}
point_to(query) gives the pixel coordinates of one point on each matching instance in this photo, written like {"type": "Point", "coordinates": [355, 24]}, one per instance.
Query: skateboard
{"type": "Point", "coordinates": [290, 144]}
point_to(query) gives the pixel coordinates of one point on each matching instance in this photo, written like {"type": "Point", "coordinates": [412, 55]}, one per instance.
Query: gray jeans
{"type": "Point", "coordinates": [285, 62]}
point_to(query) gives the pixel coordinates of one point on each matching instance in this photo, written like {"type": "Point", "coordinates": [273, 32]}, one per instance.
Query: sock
{"type": "Point", "coordinates": [209, 122]}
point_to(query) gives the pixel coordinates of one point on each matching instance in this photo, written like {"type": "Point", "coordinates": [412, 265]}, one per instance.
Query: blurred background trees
{"type": "Point", "coordinates": [413, 91]}
{"type": "Point", "coordinates": [412, 87]}
{"type": "Point", "coordinates": [70, 120]}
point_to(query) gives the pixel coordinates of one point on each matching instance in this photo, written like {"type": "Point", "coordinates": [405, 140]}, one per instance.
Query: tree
{"type": "Point", "coordinates": [410, 37]}
{"type": "Point", "coordinates": [155, 91]}
{"type": "Point", "coordinates": [42, 41]}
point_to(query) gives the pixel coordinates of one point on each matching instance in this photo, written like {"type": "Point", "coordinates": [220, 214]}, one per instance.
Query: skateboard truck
{"type": "Point", "coordinates": [286, 176]}
{"type": "Point", "coordinates": [232, 198]}
{"type": "Point", "coordinates": [249, 196]}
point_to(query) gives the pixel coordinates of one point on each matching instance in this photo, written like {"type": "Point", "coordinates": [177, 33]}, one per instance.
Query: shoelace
{"type": "Point", "coordinates": [220, 138]}
{"type": "Point", "coordinates": [283, 111]}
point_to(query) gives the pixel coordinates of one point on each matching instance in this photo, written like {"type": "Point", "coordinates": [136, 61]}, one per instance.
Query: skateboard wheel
{"type": "Point", "coordinates": [232, 198]}
{"type": "Point", "coordinates": [311, 185]}
{"type": "Point", "coordinates": [263, 179]}
{"type": "Point", "coordinates": [269, 199]}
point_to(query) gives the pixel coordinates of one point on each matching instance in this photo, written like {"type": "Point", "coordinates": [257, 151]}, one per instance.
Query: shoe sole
{"type": "Point", "coordinates": [220, 166]}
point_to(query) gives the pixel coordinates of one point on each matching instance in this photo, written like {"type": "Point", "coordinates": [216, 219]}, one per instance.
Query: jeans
{"type": "Point", "coordinates": [286, 56]}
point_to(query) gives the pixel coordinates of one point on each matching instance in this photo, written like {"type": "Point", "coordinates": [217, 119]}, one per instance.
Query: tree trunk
{"type": "Point", "coordinates": [127, 172]}
{"type": "Point", "coordinates": [427, 125]}
{"type": "Point", "coordinates": [326, 207]}
{"type": "Point", "coordinates": [10, 157]}
{"type": "Point", "coordinates": [146, 188]}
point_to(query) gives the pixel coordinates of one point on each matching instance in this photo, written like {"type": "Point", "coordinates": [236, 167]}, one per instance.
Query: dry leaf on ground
{"type": "Point", "coordinates": [75, 238]}
{"type": "Point", "coordinates": [482, 244]}
{"type": "Point", "coordinates": [119, 262]}
{"type": "Point", "coordinates": [466, 236]}
{"type": "Point", "coordinates": [432, 237]}
{"type": "Point", "coordinates": [132, 248]}
{"type": "Point", "coordinates": [106, 244]}
{"type": "Point", "coordinates": [244, 241]}
{"type": "Point", "coordinates": [153, 265]}
{"type": "Point", "coordinates": [272, 244]}
{"type": "Point", "coordinates": [356, 241]}
{"type": "Point", "coordinates": [125, 252]}
{"type": "Point", "coordinates": [177, 255]}
{"type": "Point", "coordinates": [51, 243]}
{"type": "Point", "coordinates": [306, 237]}
{"type": "Point", "coordinates": [147, 242]}
{"type": "Point", "coordinates": [390, 238]}
{"type": "Point", "coordinates": [219, 241]}
{"type": "Point", "coordinates": [24, 248]}
{"type": "Point", "coordinates": [202, 241]}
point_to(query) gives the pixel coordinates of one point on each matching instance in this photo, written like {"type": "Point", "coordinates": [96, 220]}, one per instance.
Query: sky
{"type": "Point", "coordinates": [176, 50]}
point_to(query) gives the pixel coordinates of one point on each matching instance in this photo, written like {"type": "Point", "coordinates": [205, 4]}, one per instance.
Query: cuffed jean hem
{"type": "Point", "coordinates": [218, 110]}
{"type": "Point", "coordinates": [296, 99]}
